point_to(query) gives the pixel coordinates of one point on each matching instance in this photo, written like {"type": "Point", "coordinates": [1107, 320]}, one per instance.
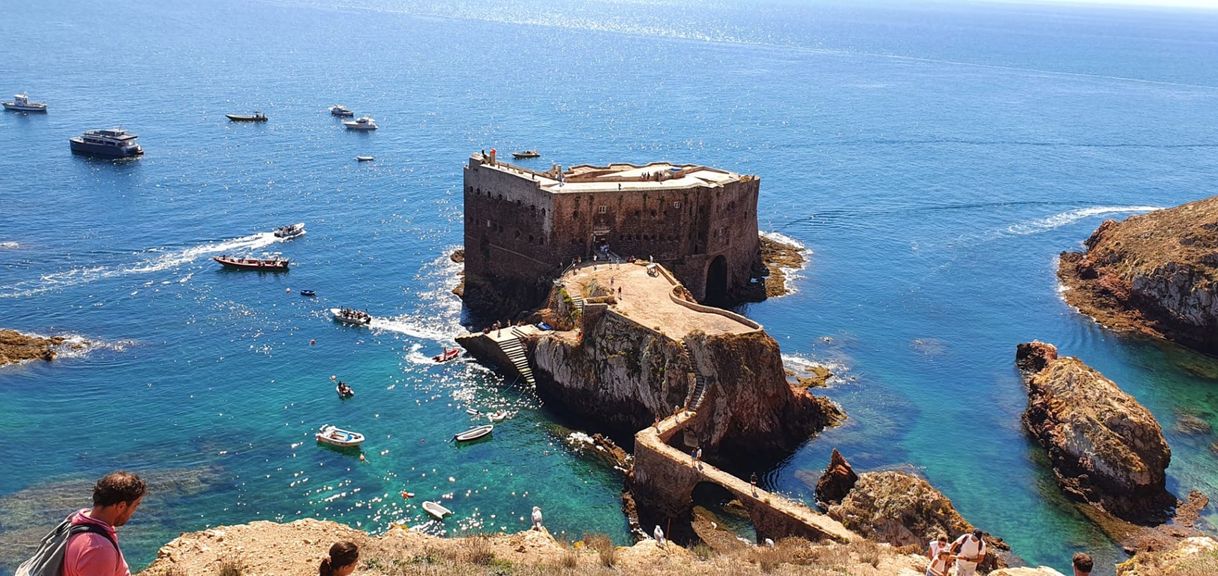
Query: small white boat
{"type": "Point", "coordinates": [497, 416]}
{"type": "Point", "coordinates": [365, 158]}
{"type": "Point", "coordinates": [351, 316]}
{"type": "Point", "coordinates": [361, 123]}
{"type": "Point", "coordinates": [290, 231]}
{"type": "Point", "coordinates": [436, 509]}
{"type": "Point", "coordinates": [474, 433]}
{"type": "Point", "coordinates": [21, 103]}
{"type": "Point", "coordinates": [341, 111]}
{"type": "Point", "coordinates": [336, 436]}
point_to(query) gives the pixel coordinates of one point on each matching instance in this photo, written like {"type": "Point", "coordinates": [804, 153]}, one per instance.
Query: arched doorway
{"type": "Point", "coordinates": [716, 283]}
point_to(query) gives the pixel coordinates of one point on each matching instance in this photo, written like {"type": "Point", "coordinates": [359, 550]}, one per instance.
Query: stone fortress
{"type": "Point", "coordinates": [524, 227]}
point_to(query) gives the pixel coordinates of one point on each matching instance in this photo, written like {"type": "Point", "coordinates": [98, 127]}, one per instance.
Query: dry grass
{"type": "Point", "coordinates": [477, 550]}
{"type": "Point", "coordinates": [605, 548]}
{"type": "Point", "coordinates": [231, 568]}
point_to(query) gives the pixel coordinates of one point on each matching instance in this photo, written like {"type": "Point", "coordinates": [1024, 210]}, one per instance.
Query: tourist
{"type": "Point", "coordinates": [753, 481]}
{"type": "Point", "coordinates": [1082, 564]}
{"type": "Point", "coordinates": [969, 550]}
{"type": "Point", "coordinates": [341, 561]}
{"type": "Point", "coordinates": [936, 545]}
{"type": "Point", "coordinates": [536, 518]}
{"type": "Point", "coordinates": [115, 498]}
{"type": "Point", "coordinates": [939, 565]}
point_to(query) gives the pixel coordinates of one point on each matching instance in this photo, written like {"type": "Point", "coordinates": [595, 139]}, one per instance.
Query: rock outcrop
{"type": "Point", "coordinates": [1190, 557]}
{"type": "Point", "coordinates": [837, 480]}
{"type": "Point", "coordinates": [901, 509]}
{"type": "Point", "coordinates": [1106, 449]}
{"type": "Point", "coordinates": [1155, 274]}
{"type": "Point", "coordinates": [17, 347]}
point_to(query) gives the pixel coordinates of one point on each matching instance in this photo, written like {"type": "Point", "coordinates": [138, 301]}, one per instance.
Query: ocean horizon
{"type": "Point", "coordinates": [933, 159]}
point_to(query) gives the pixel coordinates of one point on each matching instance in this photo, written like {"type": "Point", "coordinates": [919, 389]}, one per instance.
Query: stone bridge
{"type": "Point", "coordinates": [664, 479]}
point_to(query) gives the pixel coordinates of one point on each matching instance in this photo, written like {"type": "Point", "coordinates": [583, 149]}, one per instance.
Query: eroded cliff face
{"type": "Point", "coordinates": [1156, 274]}
{"type": "Point", "coordinates": [1106, 449]}
{"type": "Point", "coordinates": [622, 376]}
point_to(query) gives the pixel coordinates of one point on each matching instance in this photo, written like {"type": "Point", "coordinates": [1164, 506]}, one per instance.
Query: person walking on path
{"type": "Point", "coordinates": [940, 564]}
{"type": "Point", "coordinates": [1082, 564]}
{"type": "Point", "coordinates": [341, 561]}
{"type": "Point", "coordinates": [115, 499]}
{"type": "Point", "coordinates": [969, 550]}
{"type": "Point", "coordinates": [936, 545]}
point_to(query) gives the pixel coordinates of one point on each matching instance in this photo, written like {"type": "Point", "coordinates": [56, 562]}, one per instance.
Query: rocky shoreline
{"type": "Point", "coordinates": [16, 347]}
{"type": "Point", "coordinates": [780, 258]}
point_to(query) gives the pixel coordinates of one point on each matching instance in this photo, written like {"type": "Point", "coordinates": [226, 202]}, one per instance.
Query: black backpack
{"type": "Point", "coordinates": [48, 560]}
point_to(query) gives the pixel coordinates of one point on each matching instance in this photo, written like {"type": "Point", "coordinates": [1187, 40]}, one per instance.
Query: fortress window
{"type": "Point", "coordinates": [488, 223]}
{"type": "Point", "coordinates": [543, 212]}
{"type": "Point", "coordinates": [499, 197]}
{"type": "Point", "coordinates": [530, 238]}
{"type": "Point", "coordinates": [469, 189]}
{"type": "Point", "coordinates": [517, 234]}
{"type": "Point", "coordinates": [603, 209]}
{"type": "Point", "coordinates": [676, 204]}
{"type": "Point", "coordinates": [478, 191]}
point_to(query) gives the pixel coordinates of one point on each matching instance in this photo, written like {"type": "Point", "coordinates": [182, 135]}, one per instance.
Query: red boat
{"type": "Point", "coordinates": [271, 264]}
{"type": "Point", "coordinates": [447, 354]}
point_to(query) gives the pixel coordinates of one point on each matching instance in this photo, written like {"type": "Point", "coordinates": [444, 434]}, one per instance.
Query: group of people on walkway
{"type": "Point", "coordinates": [969, 550]}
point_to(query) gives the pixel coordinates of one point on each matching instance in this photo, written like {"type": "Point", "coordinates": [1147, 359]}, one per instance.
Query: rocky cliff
{"type": "Point", "coordinates": [623, 376]}
{"type": "Point", "coordinates": [901, 509]}
{"type": "Point", "coordinates": [1156, 274]}
{"type": "Point", "coordinates": [1105, 448]}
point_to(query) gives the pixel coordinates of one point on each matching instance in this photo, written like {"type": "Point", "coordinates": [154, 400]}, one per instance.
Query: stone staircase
{"type": "Point", "coordinates": [514, 349]}
{"type": "Point", "coordinates": [701, 383]}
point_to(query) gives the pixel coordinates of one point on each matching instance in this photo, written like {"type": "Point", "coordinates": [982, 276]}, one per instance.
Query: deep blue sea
{"type": "Point", "coordinates": [934, 158]}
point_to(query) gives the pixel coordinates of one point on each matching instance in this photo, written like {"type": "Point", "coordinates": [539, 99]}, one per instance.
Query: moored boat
{"type": "Point", "coordinates": [308, 293]}
{"type": "Point", "coordinates": [351, 316]}
{"type": "Point", "coordinates": [447, 354]}
{"type": "Point", "coordinates": [255, 117]}
{"type": "Point", "coordinates": [526, 154]}
{"type": "Point", "coordinates": [344, 391]}
{"type": "Point", "coordinates": [341, 111]}
{"type": "Point", "coordinates": [437, 510]}
{"type": "Point", "coordinates": [474, 433]}
{"type": "Point", "coordinates": [22, 103]}
{"type": "Point", "coordinates": [112, 143]}
{"type": "Point", "coordinates": [336, 436]}
{"type": "Point", "coordinates": [364, 158]}
{"type": "Point", "coordinates": [290, 231]}
{"type": "Point", "coordinates": [271, 263]}
{"type": "Point", "coordinates": [361, 123]}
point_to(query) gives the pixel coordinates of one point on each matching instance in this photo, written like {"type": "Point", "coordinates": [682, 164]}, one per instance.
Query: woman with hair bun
{"type": "Point", "coordinates": [343, 556]}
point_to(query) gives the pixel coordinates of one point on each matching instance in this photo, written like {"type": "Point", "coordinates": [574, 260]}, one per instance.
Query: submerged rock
{"type": "Point", "coordinates": [837, 480]}
{"type": "Point", "coordinates": [17, 347]}
{"type": "Point", "coordinates": [1155, 274]}
{"type": "Point", "coordinates": [1106, 449]}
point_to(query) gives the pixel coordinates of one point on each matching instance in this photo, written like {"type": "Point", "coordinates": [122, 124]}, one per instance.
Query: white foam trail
{"type": "Point", "coordinates": [411, 327]}
{"type": "Point", "coordinates": [9, 245]}
{"type": "Point", "coordinates": [1072, 216]}
{"type": "Point", "coordinates": [416, 356]}
{"type": "Point", "coordinates": [784, 239]}
{"type": "Point", "coordinates": [160, 261]}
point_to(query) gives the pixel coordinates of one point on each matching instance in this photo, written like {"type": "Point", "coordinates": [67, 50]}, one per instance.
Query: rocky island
{"type": "Point", "coordinates": [17, 347]}
{"type": "Point", "coordinates": [1154, 274]}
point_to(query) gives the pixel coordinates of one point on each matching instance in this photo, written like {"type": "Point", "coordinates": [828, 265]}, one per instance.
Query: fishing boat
{"type": "Point", "coordinates": [255, 117]}
{"type": "Point", "coordinates": [437, 510]}
{"type": "Point", "coordinates": [474, 433]}
{"type": "Point", "coordinates": [344, 391]}
{"type": "Point", "coordinates": [290, 231]}
{"type": "Point", "coordinates": [447, 354]}
{"type": "Point", "coordinates": [351, 316]}
{"type": "Point", "coordinates": [270, 263]}
{"type": "Point", "coordinates": [364, 158]}
{"type": "Point", "coordinates": [21, 103]}
{"type": "Point", "coordinates": [361, 123]}
{"type": "Point", "coordinates": [341, 111]}
{"type": "Point", "coordinates": [308, 293]}
{"type": "Point", "coordinates": [112, 143]}
{"type": "Point", "coordinates": [336, 436]}
{"type": "Point", "coordinates": [526, 154]}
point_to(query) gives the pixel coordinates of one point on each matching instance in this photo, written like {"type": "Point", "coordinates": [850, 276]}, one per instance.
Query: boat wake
{"type": "Point", "coordinates": [152, 260]}
{"type": "Point", "coordinates": [415, 327]}
{"type": "Point", "coordinates": [1065, 218]}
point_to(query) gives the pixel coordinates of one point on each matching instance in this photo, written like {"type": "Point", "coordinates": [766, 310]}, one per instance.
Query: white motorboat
{"type": "Point", "coordinates": [22, 103]}
{"type": "Point", "coordinates": [497, 416]}
{"type": "Point", "coordinates": [364, 158]}
{"type": "Point", "coordinates": [361, 123]}
{"type": "Point", "coordinates": [436, 509]}
{"type": "Point", "coordinates": [336, 436]}
{"type": "Point", "coordinates": [474, 433]}
{"type": "Point", "coordinates": [351, 316]}
{"type": "Point", "coordinates": [341, 111]}
{"type": "Point", "coordinates": [290, 231]}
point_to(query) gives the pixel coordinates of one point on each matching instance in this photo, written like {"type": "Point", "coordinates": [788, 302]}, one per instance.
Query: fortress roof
{"type": "Point", "coordinates": [584, 178]}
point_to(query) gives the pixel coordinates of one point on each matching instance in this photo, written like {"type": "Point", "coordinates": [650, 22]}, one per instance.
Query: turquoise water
{"type": "Point", "coordinates": [934, 159]}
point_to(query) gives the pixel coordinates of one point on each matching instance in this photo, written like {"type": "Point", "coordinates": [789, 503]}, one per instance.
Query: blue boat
{"type": "Point", "coordinates": [113, 143]}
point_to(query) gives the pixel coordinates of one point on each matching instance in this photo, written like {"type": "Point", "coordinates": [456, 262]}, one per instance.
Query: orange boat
{"type": "Point", "coordinates": [270, 264]}
{"type": "Point", "coordinates": [447, 354]}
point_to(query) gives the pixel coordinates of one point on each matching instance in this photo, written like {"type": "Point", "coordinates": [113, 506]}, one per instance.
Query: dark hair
{"type": "Point", "coordinates": [341, 554]}
{"type": "Point", "coordinates": [117, 487]}
{"type": "Point", "coordinates": [1082, 561]}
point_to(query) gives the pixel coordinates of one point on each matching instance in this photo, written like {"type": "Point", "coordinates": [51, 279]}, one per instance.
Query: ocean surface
{"type": "Point", "coordinates": [933, 158]}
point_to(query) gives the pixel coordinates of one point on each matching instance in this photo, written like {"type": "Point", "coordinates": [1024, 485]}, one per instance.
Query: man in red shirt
{"type": "Point", "coordinates": [115, 498]}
